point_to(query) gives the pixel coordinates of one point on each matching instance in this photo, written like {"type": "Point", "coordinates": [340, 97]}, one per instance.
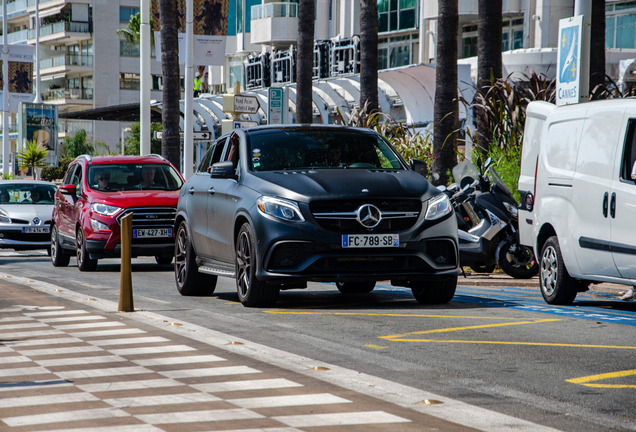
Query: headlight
{"type": "Point", "coordinates": [280, 208]}
{"type": "Point", "coordinates": [98, 226]}
{"type": "Point", "coordinates": [4, 217]}
{"type": "Point", "coordinates": [438, 207]}
{"type": "Point", "coordinates": [105, 210]}
{"type": "Point", "coordinates": [512, 209]}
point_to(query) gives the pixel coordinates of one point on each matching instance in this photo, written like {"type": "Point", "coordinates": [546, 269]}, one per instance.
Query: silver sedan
{"type": "Point", "coordinates": [25, 214]}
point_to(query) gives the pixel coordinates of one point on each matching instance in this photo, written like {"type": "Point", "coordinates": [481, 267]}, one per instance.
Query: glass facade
{"type": "Point", "coordinates": [620, 25]}
{"type": "Point", "coordinates": [126, 12]}
{"type": "Point", "coordinates": [395, 15]}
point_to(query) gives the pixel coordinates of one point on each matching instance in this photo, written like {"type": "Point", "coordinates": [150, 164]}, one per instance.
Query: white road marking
{"type": "Point", "coordinates": [21, 326]}
{"type": "Point", "coordinates": [274, 429]}
{"type": "Point", "coordinates": [152, 350]}
{"type": "Point", "coordinates": [23, 371]}
{"type": "Point", "coordinates": [128, 341]}
{"type": "Point", "coordinates": [340, 419]}
{"type": "Point", "coordinates": [199, 416]}
{"type": "Point", "coordinates": [107, 332]}
{"type": "Point", "coordinates": [129, 385]}
{"type": "Point", "coordinates": [60, 312]}
{"type": "Point", "coordinates": [89, 325]}
{"type": "Point", "coordinates": [161, 400]}
{"type": "Point", "coordinates": [28, 385]}
{"type": "Point", "coordinates": [126, 428]}
{"type": "Point", "coordinates": [284, 401]}
{"type": "Point", "coordinates": [72, 318]}
{"type": "Point", "coordinates": [30, 334]}
{"type": "Point", "coordinates": [47, 400]}
{"type": "Point", "coordinates": [80, 360]}
{"type": "Point", "coordinates": [52, 341]}
{"type": "Point", "coordinates": [55, 351]}
{"type": "Point", "coordinates": [16, 318]}
{"type": "Point", "coordinates": [178, 360]}
{"type": "Point", "coordinates": [246, 385]}
{"type": "Point", "coordinates": [219, 371]}
{"type": "Point", "coordinates": [64, 417]}
{"type": "Point", "coordinates": [93, 373]}
{"type": "Point", "coordinates": [14, 359]}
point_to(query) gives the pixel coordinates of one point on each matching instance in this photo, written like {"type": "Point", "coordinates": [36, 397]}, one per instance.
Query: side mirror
{"type": "Point", "coordinates": [419, 167]}
{"type": "Point", "coordinates": [68, 189]}
{"type": "Point", "coordinates": [634, 172]}
{"type": "Point", "coordinates": [222, 170]}
{"type": "Point", "coordinates": [487, 163]}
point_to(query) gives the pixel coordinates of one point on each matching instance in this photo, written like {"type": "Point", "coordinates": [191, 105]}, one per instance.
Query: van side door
{"type": "Point", "coordinates": [623, 204]}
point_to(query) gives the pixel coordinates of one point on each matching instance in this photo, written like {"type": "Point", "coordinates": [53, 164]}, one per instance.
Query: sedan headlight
{"type": "Point", "coordinates": [512, 209]}
{"type": "Point", "coordinates": [105, 210]}
{"type": "Point", "coordinates": [280, 208]}
{"type": "Point", "coordinates": [4, 217]}
{"type": "Point", "coordinates": [438, 207]}
{"type": "Point", "coordinates": [98, 226]}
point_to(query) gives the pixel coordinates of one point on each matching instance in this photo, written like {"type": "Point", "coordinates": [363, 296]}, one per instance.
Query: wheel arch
{"type": "Point", "coordinates": [546, 231]}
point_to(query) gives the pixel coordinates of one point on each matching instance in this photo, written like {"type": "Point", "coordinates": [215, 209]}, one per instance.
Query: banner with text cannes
{"type": "Point", "coordinates": [20, 77]}
{"type": "Point", "coordinates": [209, 34]}
{"type": "Point", "coordinates": [568, 79]}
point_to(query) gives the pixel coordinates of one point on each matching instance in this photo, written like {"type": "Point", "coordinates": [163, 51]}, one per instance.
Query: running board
{"type": "Point", "coordinates": [217, 272]}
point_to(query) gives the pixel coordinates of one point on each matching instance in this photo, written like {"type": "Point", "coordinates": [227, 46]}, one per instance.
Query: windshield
{"type": "Point", "coordinates": [121, 177]}
{"type": "Point", "coordinates": [465, 169]}
{"type": "Point", "coordinates": [492, 174]}
{"type": "Point", "coordinates": [27, 194]}
{"type": "Point", "coordinates": [277, 149]}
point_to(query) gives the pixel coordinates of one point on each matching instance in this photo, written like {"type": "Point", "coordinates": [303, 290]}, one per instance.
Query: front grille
{"type": "Point", "coordinates": [391, 264]}
{"type": "Point", "coordinates": [441, 252]}
{"type": "Point", "coordinates": [340, 215]}
{"type": "Point", "coordinates": [151, 217]}
{"type": "Point", "coordinates": [293, 253]}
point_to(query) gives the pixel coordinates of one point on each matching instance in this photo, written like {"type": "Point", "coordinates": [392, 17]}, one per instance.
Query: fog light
{"type": "Point", "coordinates": [98, 226]}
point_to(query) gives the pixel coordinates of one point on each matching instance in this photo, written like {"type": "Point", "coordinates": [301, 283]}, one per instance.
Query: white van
{"type": "Point", "coordinates": [578, 194]}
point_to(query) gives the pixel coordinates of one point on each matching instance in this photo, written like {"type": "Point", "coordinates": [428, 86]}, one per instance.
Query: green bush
{"type": "Point", "coordinates": [52, 174]}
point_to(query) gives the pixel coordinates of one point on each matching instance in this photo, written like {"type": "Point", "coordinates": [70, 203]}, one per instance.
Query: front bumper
{"type": "Point", "coordinates": [97, 249]}
{"type": "Point", "coordinates": [14, 238]}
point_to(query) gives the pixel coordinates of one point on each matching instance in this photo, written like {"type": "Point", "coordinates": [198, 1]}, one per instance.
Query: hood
{"type": "Point", "coordinates": [308, 185]}
{"type": "Point", "coordinates": [137, 198]}
{"type": "Point", "coordinates": [29, 211]}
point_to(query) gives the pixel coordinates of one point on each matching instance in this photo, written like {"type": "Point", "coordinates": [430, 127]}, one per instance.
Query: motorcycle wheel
{"type": "Point", "coordinates": [478, 268]}
{"type": "Point", "coordinates": [518, 261]}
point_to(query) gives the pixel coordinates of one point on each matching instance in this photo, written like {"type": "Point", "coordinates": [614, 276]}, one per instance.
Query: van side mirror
{"type": "Point", "coordinates": [634, 172]}
{"type": "Point", "coordinates": [419, 167]}
{"type": "Point", "coordinates": [223, 170]}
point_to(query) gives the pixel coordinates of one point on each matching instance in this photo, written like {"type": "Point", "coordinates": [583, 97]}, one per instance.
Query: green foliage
{"type": "Point", "coordinates": [8, 176]}
{"type": "Point", "coordinates": [32, 155]}
{"type": "Point", "coordinates": [132, 143]}
{"type": "Point", "coordinates": [132, 32]}
{"type": "Point", "coordinates": [52, 174]}
{"type": "Point", "coordinates": [508, 166]}
{"type": "Point", "coordinates": [76, 145]}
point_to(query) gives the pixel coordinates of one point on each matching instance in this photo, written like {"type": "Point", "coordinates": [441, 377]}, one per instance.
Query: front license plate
{"type": "Point", "coordinates": [370, 240]}
{"type": "Point", "coordinates": [36, 230]}
{"type": "Point", "coordinates": [152, 232]}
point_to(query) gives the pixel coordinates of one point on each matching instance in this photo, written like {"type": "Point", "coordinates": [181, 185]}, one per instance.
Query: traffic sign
{"type": "Point", "coordinates": [200, 136]}
{"type": "Point", "coordinates": [277, 105]}
{"type": "Point", "coordinates": [240, 104]}
{"type": "Point", "coordinates": [242, 124]}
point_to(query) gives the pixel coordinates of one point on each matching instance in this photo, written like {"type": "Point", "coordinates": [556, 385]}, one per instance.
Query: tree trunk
{"type": "Point", "coordinates": [305, 61]}
{"type": "Point", "coordinates": [597, 46]}
{"type": "Point", "coordinates": [171, 142]}
{"type": "Point", "coordinates": [446, 105]}
{"type": "Point", "coordinates": [369, 54]}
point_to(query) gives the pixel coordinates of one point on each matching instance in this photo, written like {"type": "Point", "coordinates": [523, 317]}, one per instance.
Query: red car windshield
{"type": "Point", "coordinates": [122, 177]}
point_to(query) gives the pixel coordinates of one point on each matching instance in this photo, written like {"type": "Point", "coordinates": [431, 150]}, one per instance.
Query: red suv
{"type": "Point", "coordinates": [97, 192]}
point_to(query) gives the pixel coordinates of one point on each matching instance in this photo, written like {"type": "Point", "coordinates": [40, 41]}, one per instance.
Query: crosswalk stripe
{"type": "Point", "coordinates": [72, 318]}
{"type": "Point", "coordinates": [199, 416]}
{"type": "Point", "coordinates": [152, 350]}
{"type": "Point", "coordinates": [178, 360]}
{"type": "Point", "coordinates": [23, 371]}
{"type": "Point", "coordinates": [80, 360]}
{"type": "Point", "coordinates": [285, 401]}
{"type": "Point", "coordinates": [89, 325]}
{"type": "Point", "coordinates": [340, 419]}
{"type": "Point", "coordinates": [55, 351]}
{"type": "Point", "coordinates": [93, 373]}
{"type": "Point", "coordinates": [107, 332]}
{"type": "Point", "coordinates": [31, 334]}
{"type": "Point", "coordinates": [129, 385]}
{"type": "Point", "coordinates": [21, 326]}
{"type": "Point", "coordinates": [4, 349]}
{"type": "Point", "coordinates": [57, 312]}
{"type": "Point", "coordinates": [161, 400]}
{"type": "Point", "coordinates": [127, 428]}
{"type": "Point", "coordinates": [34, 385]}
{"type": "Point", "coordinates": [219, 371]}
{"type": "Point", "coordinates": [274, 429]}
{"type": "Point", "coordinates": [128, 341]}
{"type": "Point", "coordinates": [14, 359]}
{"type": "Point", "coordinates": [63, 417]}
{"type": "Point", "coordinates": [16, 318]}
{"type": "Point", "coordinates": [46, 400]}
{"type": "Point", "coordinates": [52, 341]}
{"type": "Point", "coordinates": [264, 384]}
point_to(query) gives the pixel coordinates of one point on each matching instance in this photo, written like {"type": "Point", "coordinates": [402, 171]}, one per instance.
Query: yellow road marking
{"type": "Point", "coordinates": [297, 312]}
{"type": "Point", "coordinates": [515, 343]}
{"type": "Point", "coordinates": [375, 346]}
{"type": "Point", "coordinates": [587, 379]}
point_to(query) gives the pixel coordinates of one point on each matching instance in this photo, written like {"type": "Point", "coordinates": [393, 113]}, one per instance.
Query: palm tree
{"type": "Point", "coordinates": [369, 54]}
{"type": "Point", "coordinates": [132, 32]}
{"type": "Point", "coordinates": [446, 105]}
{"type": "Point", "coordinates": [305, 61]}
{"type": "Point", "coordinates": [77, 144]}
{"type": "Point", "coordinates": [31, 156]}
{"type": "Point", "coordinates": [597, 45]}
{"type": "Point", "coordinates": [170, 145]}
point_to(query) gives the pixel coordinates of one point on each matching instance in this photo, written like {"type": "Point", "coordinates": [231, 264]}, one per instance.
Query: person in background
{"type": "Point", "coordinates": [197, 84]}
{"type": "Point", "coordinates": [205, 88]}
{"type": "Point", "coordinates": [4, 197]}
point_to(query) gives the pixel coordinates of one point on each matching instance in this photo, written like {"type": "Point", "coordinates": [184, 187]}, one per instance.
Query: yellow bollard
{"type": "Point", "coordinates": [125, 284]}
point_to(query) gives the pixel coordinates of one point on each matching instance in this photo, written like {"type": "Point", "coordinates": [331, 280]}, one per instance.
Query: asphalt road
{"type": "Point", "coordinates": [497, 347]}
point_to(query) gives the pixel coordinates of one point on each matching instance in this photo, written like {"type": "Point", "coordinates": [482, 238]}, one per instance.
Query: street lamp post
{"type": "Point", "coordinates": [124, 131]}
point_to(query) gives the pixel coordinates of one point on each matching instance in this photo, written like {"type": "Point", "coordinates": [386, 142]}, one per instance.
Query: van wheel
{"type": "Point", "coordinates": [186, 273]}
{"type": "Point", "coordinates": [59, 257]}
{"type": "Point", "coordinates": [355, 287]}
{"type": "Point", "coordinates": [84, 261]}
{"type": "Point", "coordinates": [557, 286]}
{"type": "Point", "coordinates": [435, 292]}
{"type": "Point", "coordinates": [251, 291]}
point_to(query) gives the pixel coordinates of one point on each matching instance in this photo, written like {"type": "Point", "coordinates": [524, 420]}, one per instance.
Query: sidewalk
{"type": "Point", "coordinates": [85, 367]}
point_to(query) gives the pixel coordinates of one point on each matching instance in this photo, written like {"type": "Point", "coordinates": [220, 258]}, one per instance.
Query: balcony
{"type": "Point", "coordinates": [68, 96]}
{"type": "Point", "coordinates": [67, 62]}
{"type": "Point", "coordinates": [274, 24]}
{"type": "Point", "coordinates": [16, 8]}
{"type": "Point", "coordinates": [63, 32]}
{"type": "Point", "coordinates": [19, 37]}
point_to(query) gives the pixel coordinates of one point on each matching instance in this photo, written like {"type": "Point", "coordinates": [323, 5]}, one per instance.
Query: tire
{"type": "Point", "coordinates": [478, 268]}
{"type": "Point", "coordinates": [355, 287]}
{"type": "Point", "coordinates": [163, 260]}
{"type": "Point", "coordinates": [84, 261]}
{"type": "Point", "coordinates": [251, 291]}
{"type": "Point", "coordinates": [186, 274]}
{"type": "Point", "coordinates": [557, 286]}
{"type": "Point", "coordinates": [59, 257]}
{"type": "Point", "coordinates": [518, 261]}
{"type": "Point", "coordinates": [435, 292]}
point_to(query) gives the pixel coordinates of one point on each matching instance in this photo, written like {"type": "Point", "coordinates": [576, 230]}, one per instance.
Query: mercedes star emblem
{"type": "Point", "coordinates": [369, 216]}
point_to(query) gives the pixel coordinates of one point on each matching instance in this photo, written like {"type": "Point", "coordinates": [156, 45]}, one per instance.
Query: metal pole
{"type": "Point", "coordinates": [145, 80]}
{"type": "Point", "coordinates": [188, 150]}
{"type": "Point", "coordinates": [38, 97]}
{"type": "Point", "coordinates": [6, 143]}
{"type": "Point", "coordinates": [125, 284]}
{"type": "Point", "coordinates": [584, 7]}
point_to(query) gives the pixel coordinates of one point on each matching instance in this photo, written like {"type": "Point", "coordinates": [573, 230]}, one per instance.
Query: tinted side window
{"type": "Point", "coordinates": [77, 180]}
{"type": "Point", "coordinates": [205, 162]}
{"type": "Point", "coordinates": [68, 178]}
{"type": "Point", "coordinates": [629, 152]}
{"type": "Point", "coordinates": [218, 150]}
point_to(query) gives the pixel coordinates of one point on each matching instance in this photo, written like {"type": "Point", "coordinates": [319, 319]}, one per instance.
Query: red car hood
{"type": "Point", "coordinates": [138, 198]}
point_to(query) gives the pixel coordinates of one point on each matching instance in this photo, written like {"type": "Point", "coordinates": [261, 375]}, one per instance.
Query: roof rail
{"type": "Point", "coordinates": [157, 155]}
{"type": "Point", "coordinates": [85, 156]}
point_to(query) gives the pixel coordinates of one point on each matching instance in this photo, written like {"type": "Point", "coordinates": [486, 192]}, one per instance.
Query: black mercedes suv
{"type": "Point", "coordinates": [275, 207]}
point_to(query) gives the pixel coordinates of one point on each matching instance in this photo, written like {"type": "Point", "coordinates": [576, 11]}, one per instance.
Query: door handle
{"type": "Point", "coordinates": [605, 204]}
{"type": "Point", "coordinates": [613, 205]}
{"type": "Point", "coordinates": [191, 190]}
{"type": "Point", "coordinates": [211, 191]}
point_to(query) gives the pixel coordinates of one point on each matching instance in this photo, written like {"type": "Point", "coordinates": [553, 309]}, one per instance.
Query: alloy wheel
{"type": "Point", "coordinates": [181, 259]}
{"type": "Point", "coordinates": [549, 270]}
{"type": "Point", "coordinates": [243, 259]}
{"type": "Point", "coordinates": [80, 246]}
